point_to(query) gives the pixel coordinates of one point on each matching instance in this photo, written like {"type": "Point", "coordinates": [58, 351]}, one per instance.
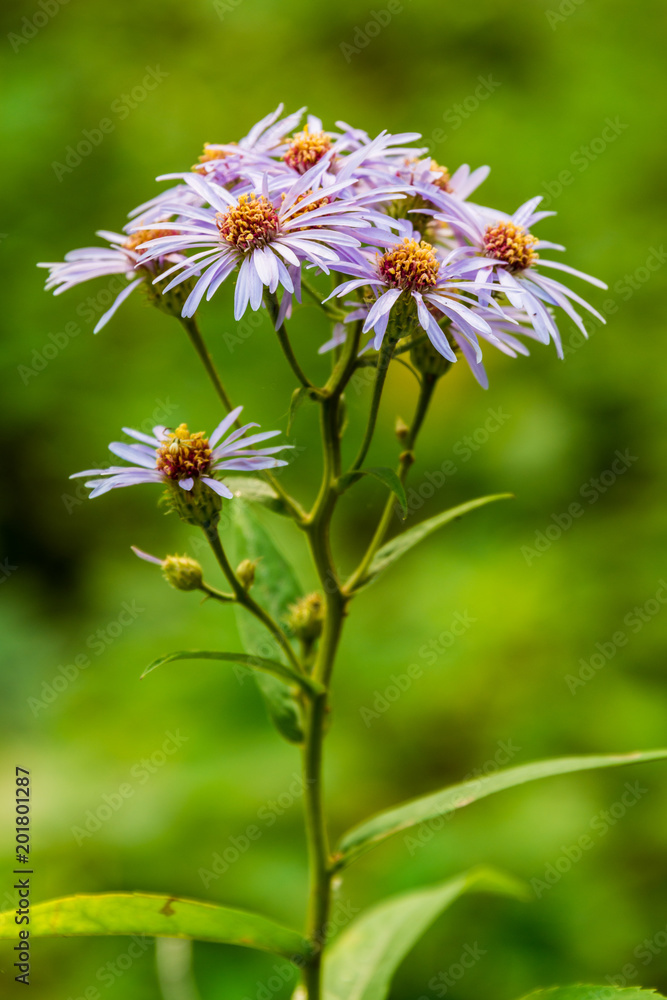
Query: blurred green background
{"type": "Point", "coordinates": [528, 88]}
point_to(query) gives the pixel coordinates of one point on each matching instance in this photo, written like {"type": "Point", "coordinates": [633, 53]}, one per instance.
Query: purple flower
{"type": "Point", "coordinates": [263, 234]}
{"type": "Point", "coordinates": [411, 279]}
{"type": "Point", "coordinates": [120, 257]}
{"type": "Point", "coordinates": [180, 458]}
{"type": "Point", "coordinates": [510, 251]}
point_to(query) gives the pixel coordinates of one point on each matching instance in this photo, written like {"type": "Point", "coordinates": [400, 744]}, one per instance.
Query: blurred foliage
{"type": "Point", "coordinates": [552, 79]}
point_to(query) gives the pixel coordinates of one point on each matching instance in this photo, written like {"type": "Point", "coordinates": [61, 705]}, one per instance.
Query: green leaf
{"type": "Point", "coordinates": [299, 396]}
{"type": "Point", "coordinates": [402, 543]}
{"type": "Point", "coordinates": [589, 992]}
{"type": "Point", "coordinates": [385, 475]}
{"type": "Point", "coordinates": [157, 916]}
{"type": "Point", "coordinates": [273, 667]}
{"type": "Point", "coordinates": [256, 491]}
{"type": "Point", "coordinates": [385, 824]}
{"type": "Point", "coordinates": [362, 960]}
{"type": "Point", "coordinates": [275, 588]}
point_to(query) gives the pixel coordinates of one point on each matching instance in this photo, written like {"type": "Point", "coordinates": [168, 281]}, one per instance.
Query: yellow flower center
{"type": "Point", "coordinates": [184, 454]}
{"type": "Point", "coordinates": [136, 239]}
{"type": "Point", "coordinates": [412, 266]}
{"type": "Point", "coordinates": [306, 150]}
{"type": "Point", "coordinates": [442, 181]}
{"type": "Point", "coordinates": [210, 153]}
{"type": "Point", "coordinates": [512, 244]}
{"type": "Point", "coordinates": [252, 223]}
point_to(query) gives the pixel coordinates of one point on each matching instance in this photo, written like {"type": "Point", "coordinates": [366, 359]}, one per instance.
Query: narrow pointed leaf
{"type": "Point", "coordinates": [157, 916]}
{"type": "Point", "coordinates": [275, 588]}
{"type": "Point", "coordinates": [402, 543]}
{"type": "Point", "coordinates": [385, 475]}
{"type": "Point", "coordinates": [590, 992]}
{"type": "Point", "coordinates": [256, 491]}
{"type": "Point", "coordinates": [361, 962]}
{"type": "Point", "coordinates": [385, 824]}
{"type": "Point", "coordinates": [299, 396]}
{"type": "Point", "coordinates": [273, 667]}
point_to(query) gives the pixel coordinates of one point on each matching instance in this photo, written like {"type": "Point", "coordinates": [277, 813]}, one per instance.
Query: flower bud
{"type": "Point", "coordinates": [182, 572]}
{"type": "Point", "coordinates": [245, 572]}
{"type": "Point", "coordinates": [401, 429]}
{"type": "Point", "coordinates": [427, 360]}
{"type": "Point", "coordinates": [199, 506]}
{"type": "Point", "coordinates": [306, 618]}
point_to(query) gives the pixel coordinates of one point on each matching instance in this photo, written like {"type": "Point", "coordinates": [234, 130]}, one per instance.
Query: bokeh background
{"type": "Point", "coordinates": [529, 88]}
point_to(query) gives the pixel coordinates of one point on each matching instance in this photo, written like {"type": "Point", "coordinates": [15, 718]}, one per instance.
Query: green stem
{"type": "Point", "coordinates": [243, 597]}
{"type": "Point", "coordinates": [284, 341]}
{"type": "Point", "coordinates": [405, 461]}
{"type": "Point", "coordinates": [192, 329]}
{"type": "Point", "coordinates": [318, 531]}
{"type": "Point", "coordinates": [384, 358]}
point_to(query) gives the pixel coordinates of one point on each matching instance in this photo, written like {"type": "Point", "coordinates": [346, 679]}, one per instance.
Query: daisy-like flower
{"type": "Point", "coordinates": [512, 267]}
{"type": "Point", "coordinates": [262, 234]}
{"type": "Point", "coordinates": [180, 458]}
{"type": "Point", "coordinates": [120, 257]}
{"type": "Point", "coordinates": [412, 278]}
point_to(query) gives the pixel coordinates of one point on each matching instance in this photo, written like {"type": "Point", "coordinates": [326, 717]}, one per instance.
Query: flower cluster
{"type": "Point", "coordinates": [415, 256]}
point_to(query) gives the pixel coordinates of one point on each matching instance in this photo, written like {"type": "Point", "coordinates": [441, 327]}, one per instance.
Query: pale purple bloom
{"type": "Point", "coordinates": [120, 257]}
{"type": "Point", "coordinates": [512, 267]}
{"type": "Point", "coordinates": [412, 270]}
{"type": "Point", "coordinates": [263, 234]}
{"type": "Point", "coordinates": [180, 457]}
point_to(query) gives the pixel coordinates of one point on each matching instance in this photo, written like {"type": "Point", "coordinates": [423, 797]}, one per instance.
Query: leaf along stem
{"type": "Point", "coordinates": [243, 598]}
{"type": "Point", "coordinates": [406, 459]}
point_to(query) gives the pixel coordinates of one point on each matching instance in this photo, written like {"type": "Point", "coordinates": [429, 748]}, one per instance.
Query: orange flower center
{"type": "Point", "coordinates": [512, 244]}
{"type": "Point", "coordinates": [252, 223]}
{"type": "Point", "coordinates": [306, 150]}
{"type": "Point", "coordinates": [184, 454]}
{"type": "Point", "coordinates": [143, 235]}
{"type": "Point", "coordinates": [411, 266]}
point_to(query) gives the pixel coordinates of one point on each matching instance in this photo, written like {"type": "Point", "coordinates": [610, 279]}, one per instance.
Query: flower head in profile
{"type": "Point", "coordinates": [513, 265]}
{"type": "Point", "coordinates": [181, 458]}
{"type": "Point", "coordinates": [122, 256]}
{"type": "Point", "coordinates": [263, 234]}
